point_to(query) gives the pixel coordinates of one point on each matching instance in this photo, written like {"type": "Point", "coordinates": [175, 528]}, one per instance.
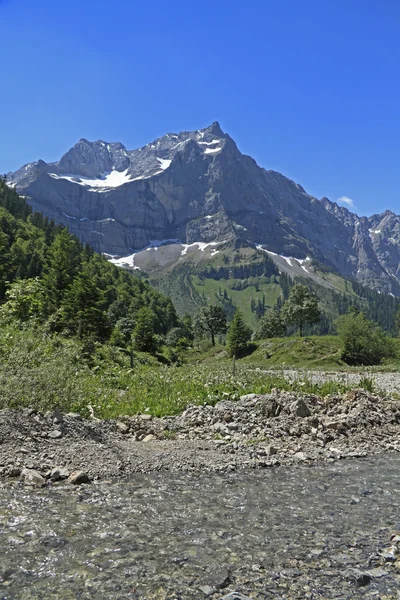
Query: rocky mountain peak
{"type": "Point", "coordinates": [196, 186]}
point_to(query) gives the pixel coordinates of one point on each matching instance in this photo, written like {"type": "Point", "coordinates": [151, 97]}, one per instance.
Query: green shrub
{"type": "Point", "coordinates": [363, 341]}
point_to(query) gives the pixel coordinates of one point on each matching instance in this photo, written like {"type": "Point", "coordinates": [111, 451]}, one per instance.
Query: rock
{"type": "Point", "coordinates": [207, 590]}
{"type": "Point", "coordinates": [335, 425]}
{"type": "Point", "coordinates": [55, 435]}
{"type": "Point", "coordinates": [235, 596]}
{"type": "Point", "coordinates": [390, 554]}
{"type": "Point", "coordinates": [219, 428]}
{"type": "Point", "coordinates": [72, 415]}
{"type": "Point", "coordinates": [32, 477]}
{"type": "Point", "coordinates": [301, 456]}
{"type": "Point", "coordinates": [59, 473]}
{"type": "Point", "coordinates": [300, 408]}
{"type": "Point", "coordinates": [217, 576]}
{"type": "Point", "coordinates": [14, 472]}
{"type": "Point", "coordinates": [145, 417]}
{"type": "Point", "coordinates": [248, 397]}
{"type": "Point", "coordinates": [122, 427]}
{"type": "Point", "coordinates": [377, 572]}
{"type": "Point", "coordinates": [57, 417]}
{"type": "Point", "coordinates": [270, 407]}
{"type": "Point", "coordinates": [363, 579]}
{"type": "Point", "coordinates": [149, 438]}
{"type": "Point", "coordinates": [78, 477]}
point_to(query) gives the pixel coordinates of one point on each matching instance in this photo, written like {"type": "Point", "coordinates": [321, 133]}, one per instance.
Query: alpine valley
{"type": "Point", "coordinates": [203, 221]}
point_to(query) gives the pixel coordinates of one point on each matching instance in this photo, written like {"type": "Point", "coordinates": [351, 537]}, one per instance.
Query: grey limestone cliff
{"type": "Point", "coordinates": [198, 187]}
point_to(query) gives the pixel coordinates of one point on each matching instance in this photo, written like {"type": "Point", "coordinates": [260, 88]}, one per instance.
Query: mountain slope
{"type": "Point", "coordinates": [198, 187]}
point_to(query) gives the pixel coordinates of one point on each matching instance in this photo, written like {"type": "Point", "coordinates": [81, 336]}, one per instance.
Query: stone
{"type": "Point", "coordinates": [55, 435]}
{"type": "Point", "coordinates": [235, 596]}
{"type": "Point", "coordinates": [207, 590]}
{"type": "Point", "coordinates": [122, 427]}
{"type": "Point", "coordinates": [32, 477]}
{"type": "Point", "coordinates": [301, 456]}
{"type": "Point", "coordinates": [149, 438]}
{"type": "Point", "coordinates": [248, 397]}
{"type": "Point", "coordinates": [377, 572]}
{"type": "Point", "coordinates": [363, 579]}
{"type": "Point", "coordinates": [217, 576]}
{"type": "Point", "coordinates": [334, 425]}
{"type": "Point", "coordinates": [78, 477]}
{"type": "Point", "coordinates": [14, 472]}
{"type": "Point", "coordinates": [390, 554]}
{"type": "Point", "coordinates": [300, 408]}
{"type": "Point", "coordinates": [72, 415]}
{"type": "Point", "coordinates": [57, 417]}
{"type": "Point", "coordinates": [59, 473]}
{"type": "Point", "coordinates": [145, 417]}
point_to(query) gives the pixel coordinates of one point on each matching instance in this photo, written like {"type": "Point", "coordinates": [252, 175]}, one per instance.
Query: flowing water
{"type": "Point", "coordinates": [283, 533]}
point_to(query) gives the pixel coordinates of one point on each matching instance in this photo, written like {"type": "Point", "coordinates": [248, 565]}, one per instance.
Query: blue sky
{"type": "Point", "coordinates": [310, 88]}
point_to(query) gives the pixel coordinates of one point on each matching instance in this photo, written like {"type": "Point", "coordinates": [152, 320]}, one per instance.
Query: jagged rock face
{"type": "Point", "coordinates": [198, 187]}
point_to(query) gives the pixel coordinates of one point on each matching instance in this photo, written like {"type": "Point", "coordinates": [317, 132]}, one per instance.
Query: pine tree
{"type": "Point", "coordinates": [83, 308]}
{"type": "Point", "coordinates": [238, 336]}
{"type": "Point", "coordinates": [63, 262]}
{"type": "Point", "coordinates": [143, 335]}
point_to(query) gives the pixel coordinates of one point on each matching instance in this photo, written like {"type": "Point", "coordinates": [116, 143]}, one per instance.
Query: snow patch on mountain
{"type": "Point", "coordinates": [212, 150]}
{"type": "Point", "coordinates": [164, 163]}
{"type": "Point", "coordinates": [113, 179]}
{"type": "Point", "coordinates": [200, 246]}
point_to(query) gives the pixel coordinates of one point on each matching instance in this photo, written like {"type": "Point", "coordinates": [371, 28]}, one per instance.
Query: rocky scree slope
{"type": "Point", "coordinates": [198, 187]}
{"type": "Point", "coordinates": [256, 431]}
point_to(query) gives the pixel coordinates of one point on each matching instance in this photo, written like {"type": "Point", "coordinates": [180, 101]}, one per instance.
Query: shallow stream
{"type": "Point", "coordinates": [283, 533]}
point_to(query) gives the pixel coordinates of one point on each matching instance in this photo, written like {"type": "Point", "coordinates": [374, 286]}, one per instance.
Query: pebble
{"type": "Point", "coordinates": [301, 409]}
{"type": "Point", "coordinates": [14, 472]}
{"type": "Point", "coordinates": [149, 438]}
{"type": "Point", "coordinates": [78, 477]}
{"type": "Point", "coordinates": [145, 417]}
{"type": "Point", "coordinates": [334, 425]}
{"type": "Point", "coordinates": [32, 477]}
{"type": "Point", "coordinates": [59, 473]}
{"type": "Point", "coordinates": [235, 596]}
{"type": "Point", "coordinates": [122, 427]}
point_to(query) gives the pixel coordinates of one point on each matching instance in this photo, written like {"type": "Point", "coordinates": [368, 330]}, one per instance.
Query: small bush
{"type": "Point", "coordinates": [363, 341]}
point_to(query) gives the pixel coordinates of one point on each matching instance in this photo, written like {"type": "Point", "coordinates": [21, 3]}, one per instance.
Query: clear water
{"type": "Point", "coordinates": [284, 533]}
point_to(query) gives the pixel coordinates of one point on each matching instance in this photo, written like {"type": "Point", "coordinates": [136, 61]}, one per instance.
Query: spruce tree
{"type": "Point", "coordinates": [238, 336]}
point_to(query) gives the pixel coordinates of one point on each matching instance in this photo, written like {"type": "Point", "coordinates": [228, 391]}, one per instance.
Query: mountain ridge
{"type": "Point", "coordinates": [197, 187]}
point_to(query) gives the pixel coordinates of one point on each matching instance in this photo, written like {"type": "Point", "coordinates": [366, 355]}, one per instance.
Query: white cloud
{"type": "Point", "coordinates": [346, 201]}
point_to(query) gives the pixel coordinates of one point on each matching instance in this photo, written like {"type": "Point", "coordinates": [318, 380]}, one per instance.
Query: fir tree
{"type": "Point", "coordinates": [238, 336]}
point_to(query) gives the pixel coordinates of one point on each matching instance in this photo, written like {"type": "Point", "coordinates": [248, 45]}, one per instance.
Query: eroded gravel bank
{"type": "Point", "coordinates": [256, 432]}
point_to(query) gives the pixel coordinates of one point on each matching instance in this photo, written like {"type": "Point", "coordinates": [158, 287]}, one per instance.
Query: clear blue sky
{"type": "Point", "coordinates": [310, 88]}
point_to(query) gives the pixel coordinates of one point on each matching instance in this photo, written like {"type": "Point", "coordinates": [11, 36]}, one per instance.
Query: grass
{"type": "Point", "coordinates": [46, 372]}
{"type": "Point", "coordinates": [211, 289]}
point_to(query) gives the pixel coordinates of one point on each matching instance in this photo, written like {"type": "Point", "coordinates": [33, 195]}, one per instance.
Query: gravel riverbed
{"type": "Point", "coordinates": [289, 533]}
{"type": "Point", "coordinates": [246, 499]}
{"type": "Point", "coordinates": [264, 431]}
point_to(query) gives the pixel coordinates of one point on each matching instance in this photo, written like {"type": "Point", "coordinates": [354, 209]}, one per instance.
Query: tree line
{"type": "Point", "coordinates": [49, 278]}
